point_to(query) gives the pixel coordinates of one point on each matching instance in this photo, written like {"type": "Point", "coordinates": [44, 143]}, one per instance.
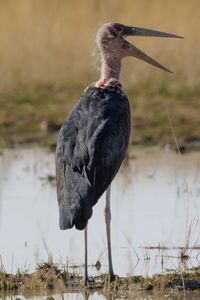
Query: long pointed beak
{"type": "Point", "coordinates": [137, 31]}
{"type": "Point", "coordinates": [133, 51]}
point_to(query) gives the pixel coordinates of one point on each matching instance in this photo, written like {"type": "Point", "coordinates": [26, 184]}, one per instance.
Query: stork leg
{"type": "Point", "coordinates": [86, 280]}
{"type": "Point", "coordinates": [108, 219]}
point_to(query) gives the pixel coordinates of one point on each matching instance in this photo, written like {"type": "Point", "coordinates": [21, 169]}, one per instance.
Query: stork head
{"type": "Point", "coordinates": [112, 44]}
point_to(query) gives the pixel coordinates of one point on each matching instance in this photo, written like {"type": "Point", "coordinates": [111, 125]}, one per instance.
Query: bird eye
{"type": "Point", "coordinates": [114, 33]}
{"type": "Point", "coordinates": [118, 28]}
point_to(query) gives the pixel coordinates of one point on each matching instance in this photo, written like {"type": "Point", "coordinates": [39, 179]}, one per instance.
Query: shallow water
{"type": "Point", "coordinates": [96, 296]}
{"type": "Point", "coordinates": [150, 198]}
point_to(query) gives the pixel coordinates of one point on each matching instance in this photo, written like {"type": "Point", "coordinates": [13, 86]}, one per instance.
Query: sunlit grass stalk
{"type": "Point", "coordinates": [182, 278]}
{"type": "Point", "coordinates": [132, 247]}
{"type": "Point", "coordinates": [187, 230]}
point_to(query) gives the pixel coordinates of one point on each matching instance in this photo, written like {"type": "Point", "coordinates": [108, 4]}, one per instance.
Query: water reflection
{"type": "Point", "coordinates": [149, 206]}
{"type": "Point", "coordinates": [97, 296]}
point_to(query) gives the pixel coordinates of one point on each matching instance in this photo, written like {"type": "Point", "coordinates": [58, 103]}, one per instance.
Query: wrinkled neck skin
{"type": "Point", "coordinates": [110, 68]}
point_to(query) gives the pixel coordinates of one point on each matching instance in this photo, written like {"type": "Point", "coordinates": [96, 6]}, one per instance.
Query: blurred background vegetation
{"type": "Point", "coordinates": [48, 56]}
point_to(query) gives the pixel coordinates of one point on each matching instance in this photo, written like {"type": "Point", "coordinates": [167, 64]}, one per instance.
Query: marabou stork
{"type": "Point", "coordinates": [93, 141]}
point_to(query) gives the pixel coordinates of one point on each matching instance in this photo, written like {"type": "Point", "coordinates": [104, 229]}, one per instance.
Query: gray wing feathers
{"type": "Point", "coordinates": [90, 149]}
{"type": "Point", "coordinates": [74, 190]}
{"type": "Point", "coordinates": [72, 209]}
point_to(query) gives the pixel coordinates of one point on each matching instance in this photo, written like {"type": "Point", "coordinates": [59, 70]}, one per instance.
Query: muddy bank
{"type": "Point", "coordinates": [48, 277]}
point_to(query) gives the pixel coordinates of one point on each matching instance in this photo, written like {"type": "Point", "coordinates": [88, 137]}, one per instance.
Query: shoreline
{"type": "Point", "coordinates": [49, 278]}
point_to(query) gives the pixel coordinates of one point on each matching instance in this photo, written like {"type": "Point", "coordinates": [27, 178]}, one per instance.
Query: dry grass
{"type": "Point", "coordinates": [49, 279]}
{"type": "Point", "coordinates": [46, 51]}
{"type": "Point", "coordinates": [51, 41]}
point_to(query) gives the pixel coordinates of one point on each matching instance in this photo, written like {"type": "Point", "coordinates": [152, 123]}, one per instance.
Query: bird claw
{"type": "Point", "coordinates": [112, 277]}
{"type": "Point", "coordinates": [87, 281]}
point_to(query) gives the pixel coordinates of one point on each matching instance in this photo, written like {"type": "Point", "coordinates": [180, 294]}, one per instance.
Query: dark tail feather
{"type": "Point", "coordinates": [76, 204]}
{"type": "Point", "coordinates": [81, 223]}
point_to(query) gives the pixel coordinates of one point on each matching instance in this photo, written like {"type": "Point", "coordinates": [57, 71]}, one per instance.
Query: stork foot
{"type": "Point", "coordinates": [87, 281]}
{"type": "Point", "coordinates": [112, 277]}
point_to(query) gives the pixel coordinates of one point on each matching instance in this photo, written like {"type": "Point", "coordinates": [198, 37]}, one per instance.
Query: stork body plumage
{"type": "Point", "coordinates": [91, 147]}
{"type": "Point", "coordinates": [93, 141]}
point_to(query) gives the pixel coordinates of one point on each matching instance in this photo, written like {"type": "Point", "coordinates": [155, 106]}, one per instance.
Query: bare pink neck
{"type": "Point", "coordinates": [110, 68]}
